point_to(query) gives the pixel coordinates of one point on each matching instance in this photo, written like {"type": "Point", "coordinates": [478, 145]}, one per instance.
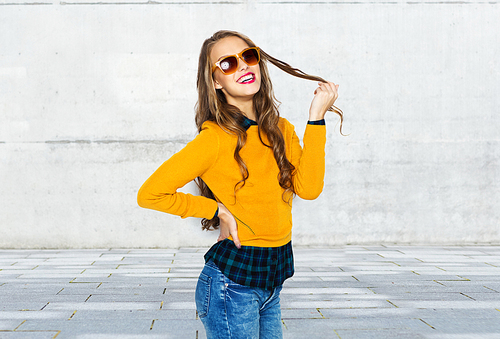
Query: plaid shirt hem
{"type": "Point", "coordinates": [261, 267]}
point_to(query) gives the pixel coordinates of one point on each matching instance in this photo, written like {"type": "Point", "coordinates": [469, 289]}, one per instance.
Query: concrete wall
{"type": "Point", "coordinates": [94, 96]}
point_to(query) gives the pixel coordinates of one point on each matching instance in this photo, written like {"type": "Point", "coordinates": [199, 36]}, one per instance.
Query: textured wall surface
{"type": "Point", "coordinates": [94, 96]}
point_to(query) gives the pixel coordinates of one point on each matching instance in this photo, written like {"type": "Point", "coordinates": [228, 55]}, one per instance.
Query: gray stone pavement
{"type": "Point", "coordinates": [348, 292]}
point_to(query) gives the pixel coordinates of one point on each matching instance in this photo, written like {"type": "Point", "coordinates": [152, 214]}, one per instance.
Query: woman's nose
{"type": "Point", "coordinates": [242, 65]}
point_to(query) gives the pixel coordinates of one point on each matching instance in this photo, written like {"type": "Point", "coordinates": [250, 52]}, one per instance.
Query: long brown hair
{"type": "Point", "coordinates": [212, 106]}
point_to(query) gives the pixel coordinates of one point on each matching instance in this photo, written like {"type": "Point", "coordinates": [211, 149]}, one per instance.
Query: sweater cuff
{"type": "Point", "coordinates": [317, 122]}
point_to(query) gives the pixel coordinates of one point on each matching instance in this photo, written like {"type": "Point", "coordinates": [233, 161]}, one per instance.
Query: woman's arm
{"type": "Point", "coordinates": [309, 162]}
{"type": "Point", "coordinates": [159, 192]}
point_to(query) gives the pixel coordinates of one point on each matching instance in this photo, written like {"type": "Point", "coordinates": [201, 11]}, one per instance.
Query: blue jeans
{"type": "Point", "coordinates": [232, 311]}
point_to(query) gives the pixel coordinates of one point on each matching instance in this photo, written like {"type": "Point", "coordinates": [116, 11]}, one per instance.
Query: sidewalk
{"type": "Point", "coordinates": [350, 292]}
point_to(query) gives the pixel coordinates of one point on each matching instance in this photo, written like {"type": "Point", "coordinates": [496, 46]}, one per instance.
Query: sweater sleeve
{"type": "Point", "coordinates": [159, 192]}
{"type": "Point", "coordinates": [309, 162]}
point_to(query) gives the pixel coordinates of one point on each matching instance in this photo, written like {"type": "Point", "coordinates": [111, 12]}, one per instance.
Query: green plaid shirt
{"type": "Point", "coordinates": [261, 267]}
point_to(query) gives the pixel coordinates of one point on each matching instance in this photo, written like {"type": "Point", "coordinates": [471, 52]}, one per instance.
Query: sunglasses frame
{"type": "Point", "coordinates": [237, 56]}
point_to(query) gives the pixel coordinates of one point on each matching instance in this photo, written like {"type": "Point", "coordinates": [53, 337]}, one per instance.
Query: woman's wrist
{"type": "Point", "coordinates": [316, 116]}
{"type": "Point", "coordinates": [222, 211]}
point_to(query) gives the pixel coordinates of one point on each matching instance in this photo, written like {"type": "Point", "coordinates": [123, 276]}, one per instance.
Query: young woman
{"type": "Point", "coordinates": [249, 164]}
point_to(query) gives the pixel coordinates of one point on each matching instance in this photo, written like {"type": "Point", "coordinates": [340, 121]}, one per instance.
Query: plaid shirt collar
{"type": "Point", "coordinates": [247, 123]}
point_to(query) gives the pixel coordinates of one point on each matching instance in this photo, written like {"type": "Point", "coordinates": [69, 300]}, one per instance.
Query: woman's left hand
{"type": "Point", "coordinates": [228, 226]}
{"type": "Point", "coordinates": [324, 97]}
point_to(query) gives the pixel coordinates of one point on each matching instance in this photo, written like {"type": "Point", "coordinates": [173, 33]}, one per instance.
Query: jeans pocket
{"type": "Point", "coordinates": [202, 296]}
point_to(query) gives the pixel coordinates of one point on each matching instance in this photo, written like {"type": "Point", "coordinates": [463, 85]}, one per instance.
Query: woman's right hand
{"type": "Point", "coordinates": [324, 97]}
{"type": "Point", "coordinates": [227, 226]}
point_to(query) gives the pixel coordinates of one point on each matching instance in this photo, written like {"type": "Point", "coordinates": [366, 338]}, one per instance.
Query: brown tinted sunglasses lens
{"type": "Point", "coordinates": [229, 64]}
{"type": "Point", "coordinates": [251, 57]}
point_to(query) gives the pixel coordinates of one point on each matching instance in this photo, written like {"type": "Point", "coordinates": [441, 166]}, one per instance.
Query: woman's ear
{"type": "Point", "coordinates": [217, 84]}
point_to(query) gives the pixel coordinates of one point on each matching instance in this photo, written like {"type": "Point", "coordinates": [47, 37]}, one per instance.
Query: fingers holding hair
{"type": "Point", "coordinates": [324, 97]}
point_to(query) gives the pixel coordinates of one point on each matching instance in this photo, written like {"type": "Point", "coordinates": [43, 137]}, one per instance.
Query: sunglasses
{"type": "Point", "coordinates": [229, 65]}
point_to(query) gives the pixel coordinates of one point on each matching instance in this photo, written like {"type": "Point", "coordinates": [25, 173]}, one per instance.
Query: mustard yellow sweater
{"type": "Point", "coordinates": [264, 219]}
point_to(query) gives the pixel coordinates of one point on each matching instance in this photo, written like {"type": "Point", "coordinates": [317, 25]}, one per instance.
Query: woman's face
{"type": "Point", "coordinates": [245, 82]}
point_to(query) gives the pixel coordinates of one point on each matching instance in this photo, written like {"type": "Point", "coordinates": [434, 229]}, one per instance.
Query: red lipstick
{"type": "Point", "coordinates": [248, 78]}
